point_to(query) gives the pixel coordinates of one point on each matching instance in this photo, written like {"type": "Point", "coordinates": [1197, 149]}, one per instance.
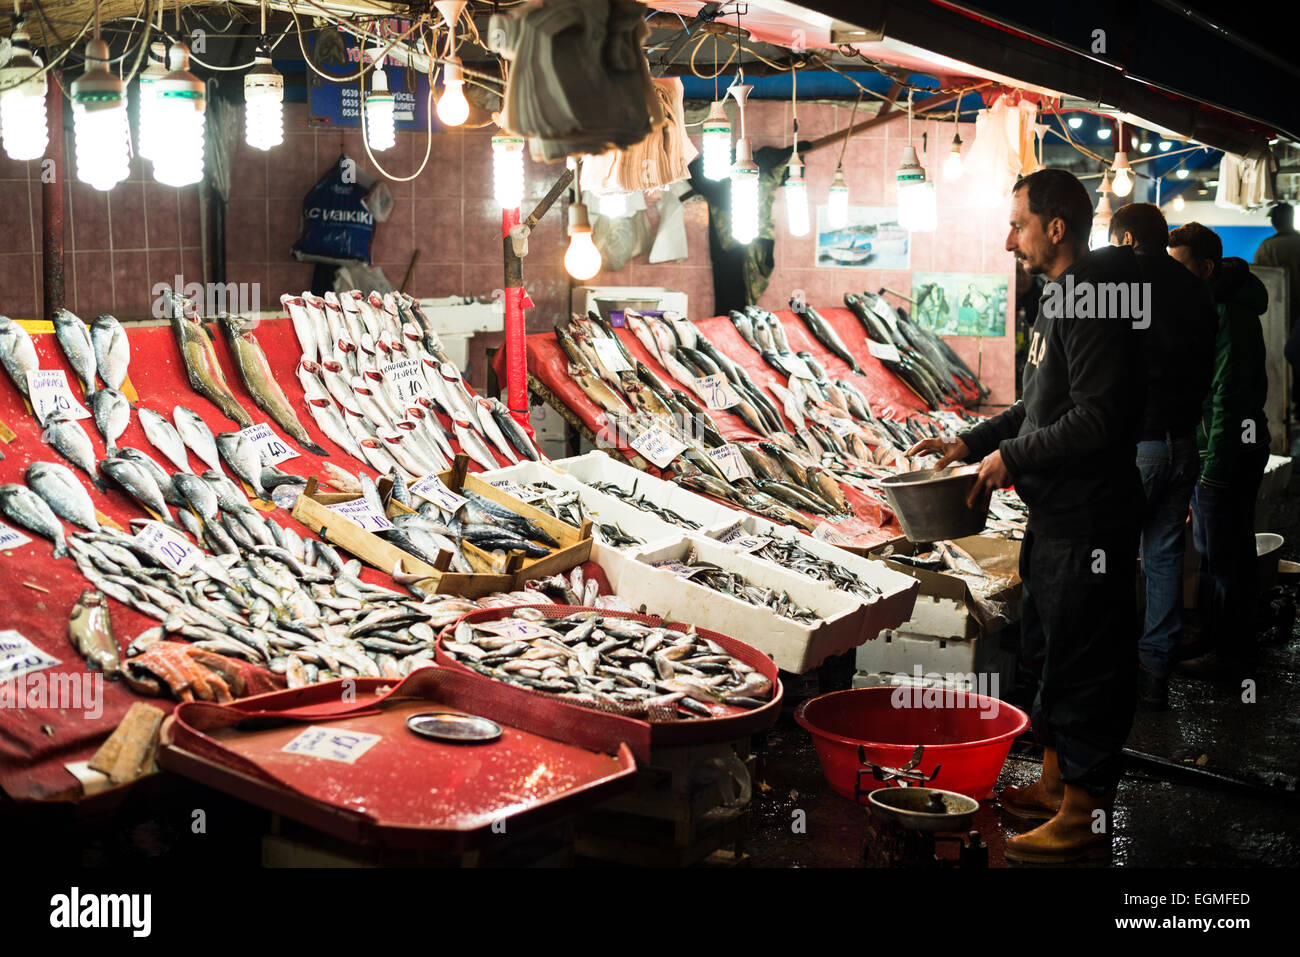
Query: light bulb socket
{"type": "Point", "coordinates": [507, 142]}
{"type": "Point", "coordinates": [452, 72]}
{"type": "Point", "coordinates": [716, 122]}
{"type": "Point", "coordinates": [744, 154]}
{"type": "Point", "coordinates": [379, 84]}
{"type": "Point", "coordinates": [795, 166]}
{"type": "Point", "coordinates": [1121, 161]}
{"type": "Point", "coordinates": [20, 71]}
{"type": "Point", "coordinates": [180, 83]}
{"type": "Point", "coordinates": [837, 181]}
{"type": "Point", "coordinates": [579, 221]}
{"type": "Point", "coordinates": [910, 171]}
{"type": "Point", "coordinates": [956, 143]}
{"type": "Point", "coordinates": [741, 92]}
{"type": "Point", "coordinates": [450, 10]}
{"type": "Point", "coordinates": [263, 80]}
{"type": "Point", "coordinates": [97, 88]}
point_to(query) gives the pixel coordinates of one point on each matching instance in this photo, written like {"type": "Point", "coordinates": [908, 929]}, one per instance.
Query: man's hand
{"type": "Point", "coordinates": [993, 474]}
{"type": "Point", "coordinates": [948, 450]}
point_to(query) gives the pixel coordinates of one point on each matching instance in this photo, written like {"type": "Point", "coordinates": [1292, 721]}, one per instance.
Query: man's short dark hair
{"type": "Point", "coordinates": [1282, 216]}
{"type": "Point", "coordinates": [1203, 241]}
{"type": "Point", "coordinates": [1057, 193]}
{"type": "Point", "coordinates": [1143, 220]}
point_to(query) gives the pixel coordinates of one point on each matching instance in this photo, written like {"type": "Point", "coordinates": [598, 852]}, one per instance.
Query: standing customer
{"type": "Point", "coordinates": [1282, 249]}
{"type": "Point", "coordinates": [1233, 441]}
{"type": "Point", "coordinates": [1179, 350]}
{"type": "Point", "coordinates": [1068, 448]}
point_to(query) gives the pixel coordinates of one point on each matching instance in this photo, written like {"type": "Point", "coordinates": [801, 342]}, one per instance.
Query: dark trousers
{"type": "Point", "coordinates": [1079, 635]}
{"type": "Point", "coordinates": [1223, 529]}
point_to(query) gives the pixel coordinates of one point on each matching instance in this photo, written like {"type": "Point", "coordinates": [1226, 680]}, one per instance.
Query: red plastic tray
{"type": "Point", "coordinates": [728, 722]}
{"type": "Point", "coordinates": [405, 791]}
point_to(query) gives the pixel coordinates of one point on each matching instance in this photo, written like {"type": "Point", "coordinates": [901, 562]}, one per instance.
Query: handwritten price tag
{"type": "Point", "coordinates": [359, 512]}
{"type": "Point", "coordinates": [11, 537]}
{"type": "Point", "coordinates": [170, 549]}
{"type": "Point", "coordinates": [734, 530]}
{"type": "Point", "coordinates": [406, 376]}
{"type": "Point", "coordinates": [717, 391]}
{"type": "Point", "coordinates": [827, 532]}
{"type": "Point", "coordinates": [270, 447]}
{"type": "Point", "coordinates": [518, 491]}
{"type": "Point", "coordinates": [431, 489]}
{"type": "Point", "coordinates": [610, 355]}
{"type": "Point", "coordinates": [514, 628]}
{"type": "Point", "coordinates": [842, 426]}
{"type": "Point", "coordinates": [332, 744]}
{"type": "Point", "coordinates": [677, 568]}
{"type": "Point", "coordinates": [749, 543]}
{"type": "Point", "coordinates": [732, 463]}
{"type": "Point", "coordinates": [18, 656]}
{"type": "Point", "coordinates": [50, 396]}
{"type": "Point", "coordinates": [884, 351]}
{"type": "Point", "coordinates": [657, 446]}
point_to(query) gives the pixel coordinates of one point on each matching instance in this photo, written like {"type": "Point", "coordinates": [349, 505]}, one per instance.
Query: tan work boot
{"type": "Point", "coordinates": [1042, 799]}
{"type": "Point", "coordinates": [1080, 829]}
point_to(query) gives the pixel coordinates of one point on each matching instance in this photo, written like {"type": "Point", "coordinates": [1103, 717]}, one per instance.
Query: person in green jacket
{"type": "Point", "coordinates": [1233, 440]}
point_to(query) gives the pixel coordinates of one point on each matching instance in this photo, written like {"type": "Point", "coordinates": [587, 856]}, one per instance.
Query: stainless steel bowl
{"type": "Point", "coordinates": [931, 506]}
{"type": "Point", "coordinates": [924, 809]}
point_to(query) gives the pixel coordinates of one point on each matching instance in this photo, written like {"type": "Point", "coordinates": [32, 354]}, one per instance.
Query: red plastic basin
{"type": "Point", "coordinates": [967, 737]}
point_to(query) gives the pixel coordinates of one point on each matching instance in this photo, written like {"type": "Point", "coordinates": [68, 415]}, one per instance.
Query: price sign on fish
{"type": "Point", "coordinates": [657, 446]}
{"type": "Point", "coordinates": [168, 547]}
{"type": "Point", "coordinates": [270, 447]}
{"type": "Point", "coordinates": [332, 744]}
{"type": "Point", "coordinates": [884, 351]}
{"type": "Point", "coordinates": [732, 463]}
{"type": "Point", "coordinates": [11, 538]}
{"type": "Point", "coordinates": [50, 396]}
{"type": "Point", "coordinates": [610, 355]}
{"type": "Point", "coordinates": [407, 375]}
{"type": "Point", "coordinates": [717, 391]}
{"type": "Point", "coordinates": [359, 512]}
{"type": "Point", "coordinates": [431, 489]}
{"type": "Point", "coordinates": [18, 657]}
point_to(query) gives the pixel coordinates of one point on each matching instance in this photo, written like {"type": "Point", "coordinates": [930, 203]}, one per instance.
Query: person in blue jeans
{"type": "Point", "coordinates": [1178, 347]}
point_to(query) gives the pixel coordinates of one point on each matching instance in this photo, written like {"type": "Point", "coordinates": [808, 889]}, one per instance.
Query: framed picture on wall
{"type": "Point", "coordinates": [960, 303]}
{"type": "Point", "coordinates": [871, 238]}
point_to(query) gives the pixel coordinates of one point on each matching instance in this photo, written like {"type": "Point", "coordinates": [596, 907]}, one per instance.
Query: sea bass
{"type": "Point", "coordinates": [253, 368]}
{"type": "Point", "coordinates": [74, 338]}
{"type": "Point", "coordinates": [112, 350]}
{"type": "Point", "coordinates": [203, 369]}
{"type": "Point", "coordinates": [63, 493]}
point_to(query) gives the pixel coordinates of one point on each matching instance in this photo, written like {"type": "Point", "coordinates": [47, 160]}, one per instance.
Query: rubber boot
{"type": "Point", "coordinates": [1077, 831]}
{"type": "Point", "coordinates": [1042, 799]}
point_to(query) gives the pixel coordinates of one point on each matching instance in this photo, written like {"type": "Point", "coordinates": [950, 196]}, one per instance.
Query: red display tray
{"type": "Point", "coordinates": [727, 723]}
{"type": "Point", "coordinates": [404, 791]}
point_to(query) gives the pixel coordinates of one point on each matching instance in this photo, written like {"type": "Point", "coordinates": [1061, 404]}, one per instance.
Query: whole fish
{"type": "Point", "coordinates": [74, 338]}
{"type": "Point", "coordinates": [160, 475]}
{"type": "Point", "coordinates": [112, 415]}
{"type": "Point", "coordinates": [136, 481]}
{"type": "Point", "coordinates": [90, 629]}
{"type": "Point", "coordinates": [20, 504]}
{"type": "Point", "coordinates": [17, 353]}
{"type": "Point", "coordinates": [112, 350]}
{"type": "Point", "coordinates": [260, 382]}
{"type": "Point", "coordinates": [376, 453]}
{"type": "Point", "coordinates": [330, 421]}
{"type": "Point", "coordinates": [202, 367]}
{"type": "Point", "coordinates": [241, 455]}
{"type": "Point", "coordinates": [472, 444]}
{"type": "Point", "coordinates": [70, 440]}
{"type": "Point", "coordinates": [492, 431]}
{"type": "Point", "coordinates": [164, 437]}
{"type": "Point", "coordinates": [514, 431]}
{"type": "Point", "coordinates": [194, 432]}
{"type": "Point", "coordinates": [342, 479]}
{"type": "Point", "coordinates": [200, 495]}
{"type": "Point", "coordinates": [303, 326]}
{"type": "Point", "coordinates": [63, 493]}
{"type": "Point", "coordinates": [230, 497]}
{"type": "Point", "coordinates": [597, 390]}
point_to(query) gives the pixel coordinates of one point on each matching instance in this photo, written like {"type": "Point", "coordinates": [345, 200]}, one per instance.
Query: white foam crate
{"type": "Point", "coordinates": [598, 506]}
{"type": "Point", "coordinates": [794, 646]}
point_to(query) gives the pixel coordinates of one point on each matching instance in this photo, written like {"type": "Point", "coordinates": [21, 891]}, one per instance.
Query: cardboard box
{"type": "Point", "coordinates": [946, 607]}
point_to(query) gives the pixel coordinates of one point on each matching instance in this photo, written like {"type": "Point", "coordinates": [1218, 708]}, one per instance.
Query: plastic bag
{"type": "Point", "coordinates": [337, 227]}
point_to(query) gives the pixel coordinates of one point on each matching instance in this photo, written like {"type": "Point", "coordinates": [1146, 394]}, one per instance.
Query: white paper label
{"type": "Point", "coordinates": [50, 395]}
{"type": "Point", "coordinates": [518, 491]}
{"type": "Point", "coordinates": [680, 570]}
{"type": "Point", "coordinates": [733, 464]}
{"type": "Point", "coordinates": [842, 426]}
{"type": "Point", "coordinates": [716, 391]}
{"type": "Point", "coordinates": [431, 489]}
{"type": "Point", "coordinates": [359, 512]}
{"type": "Point", "coordinates": [657, 446]}
{"type": "Point", "coordinates": [610, 355]}
{"type": "Point", "coordinates": [270, 447]}
{"type": "Point", "coordinates": [11, 537]}
{"type": "Point", "coordinates": [748, 543]}
{"type": "Point", "coordinates": [172, 550]}
{"type": "Point", "coordinates": [732, 531]}
{"type": "Point", "coordinates": [332, 744]}
{"type": "Point", "coordinates": [827, 532]}
{"type": "Point", "coordinates": [18, 656]}
{"type": "Point", "coordinates": [798, 368]}
{"type": "Point", "coordinates": [407, 378]}
{"type": "Point", "coordinates": [884, 351]}
{"type": "Point", "coordinates": [791, 409]}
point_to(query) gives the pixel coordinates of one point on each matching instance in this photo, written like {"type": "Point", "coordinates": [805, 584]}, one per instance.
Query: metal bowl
{"type": "Point", "coordinates": [924, 809]}
{"type": "Point", "coordinates": [609, 306]}
{"type": "Point", "coordinates": [931, 506]}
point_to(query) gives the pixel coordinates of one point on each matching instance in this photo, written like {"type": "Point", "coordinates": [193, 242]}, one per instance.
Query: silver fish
{"type": "Point", "coordinates": [70, 440]}
{"type": "Point", "coordinates": [196, 434]}
{"type": "Point", "coordinates": [29, 510]}
{"type": "Point", "coordinates": [112, 350]}
{"type": "Point", "coordinates": [329, 421]}
{"type": "Point", "coordinates": [472, 444]}
{"type": "Point", "coordinates": [136, 480]}
{"type": "Point", "coordinates": [74, 337]}
{"type": "Point", "coordinates": [63, 493]}
{"type": "Point", "coordinates": [112, 415]}
{"type": "Point", "coordinates": [230, 496]}
{"type": "Point", "coordinates": [241, 455]}
{"type": "Point", "coordinates": [164, 437]}
{"type": "Point", "coordinates": [160, 475]}
{"type": "Point", "coordinates": [17, 353]}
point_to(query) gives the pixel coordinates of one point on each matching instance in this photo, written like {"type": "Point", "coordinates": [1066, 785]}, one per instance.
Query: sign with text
{"type": "Point", "coordinates": [657, 446]}
{"type": "Point", "coordinates": [18, 656]}
{"type": "Point", "coordinates": [733, 464]}
{"type": "Point", "coordinates": [332, 744]}
{"type": "Point", "coordinates": [171, 549]}
{"type": "Point", "coordinates": [11, 537]}
{"type": "Point", "coordinates": [716, 391]}
{"type": "Point", "coordinates": [50, 396]}
{"type": "Point", "coordinates": [270, 447]}
{"type": "Point", "coordinates": [431, 489]}
{"type": "Point", "coordinates": [362, 513]}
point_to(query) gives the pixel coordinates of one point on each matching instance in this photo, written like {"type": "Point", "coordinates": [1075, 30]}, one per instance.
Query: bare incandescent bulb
{"type": "Point", "coordinates": [1123, 183]}
{"type": "Point", "coordinates": [453, 108]}
{"type": "Point", "coordinates": [952, 166]}
{"type": "Point", "coordinates": [582, 258]}
{"type": "Point", "coordinates": [22, 102]}
{"type": "Point", "coordinates": [100, 125]}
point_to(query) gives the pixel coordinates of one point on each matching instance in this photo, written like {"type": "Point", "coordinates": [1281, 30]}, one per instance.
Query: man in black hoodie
{"type": "Point", "coordinates": [1179, 349]}
{"type": "Point", "coordinates": [1068, 448]}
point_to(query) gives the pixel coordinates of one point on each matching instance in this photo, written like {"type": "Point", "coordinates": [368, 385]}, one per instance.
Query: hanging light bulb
{"type": "Point", "coordinates": [508, 170]}
{"type": "Point", "coordinates": [453, 108]}
{"type": "Point", "coordinates": [1103, 133]}
{"type": "Point", "coordinates": [1179, 203]}
{"type": "Point", "coordinates": [22, 102]}
{"type": "Point", "coordinates": [1075, 122]}
{"type": "Point", "coordinates": [952, 165]}
{"type": "Point", "coordinates": [182, 101]}
{"type": "Point", "coordinates": [744, 176]}
{"type": "Point", "coordinates": [582, 258]}
{"type": "Point", "coordinates": [150, 133]}
{"type": "Point", "coordinates": [1144, 146]}
{"type": "Point", "coordinates": [380, 133]}
{"type": "Point", "coordinates": [837, 201]}
{"type": "Point", "coordinates": [717, 142]}
{"type": "Point", "coordinates": [1182, 172]}
{"type": "Point", "coordinates": [1101, 218]}
{"type": "Point", "coordinates": [1123, 184]}
{"type": "Point", "coordinates": [1164, 146]}
{"type": "Point", "coordinates": [796, 198]}
{"type": "Point", "coordinates": [100, 126]}
{"type": "Point", "coordinates": [916, 204]}
{"type": "Point", "coordinates": [263, 103]}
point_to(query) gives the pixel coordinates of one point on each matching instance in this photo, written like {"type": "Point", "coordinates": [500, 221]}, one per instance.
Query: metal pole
{"type": "Point", "coordinates": [52, 171]}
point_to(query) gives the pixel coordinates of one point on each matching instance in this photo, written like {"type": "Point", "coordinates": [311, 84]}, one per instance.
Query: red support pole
{"type": "Point", "coordinates": [516, 357]}
{"type": "Point", "coordinates": [52, 172]}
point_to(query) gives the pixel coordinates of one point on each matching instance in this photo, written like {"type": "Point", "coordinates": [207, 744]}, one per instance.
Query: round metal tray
{"type": "Point", "coordinates": [454, 727]}
{"type": "Point", "coordinates": [924, 809]}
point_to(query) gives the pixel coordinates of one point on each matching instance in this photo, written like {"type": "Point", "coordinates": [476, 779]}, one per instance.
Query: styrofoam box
{"type": "Point", "coordinates": [899, 652]}
{"type": "Point", "coordinates": [599, 467]}
{"type": "Point", "coordinates": [599, 506]}
{"type": "Point", "coordinates": [794, 646]}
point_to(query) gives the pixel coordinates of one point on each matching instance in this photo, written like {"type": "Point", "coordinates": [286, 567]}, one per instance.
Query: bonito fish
{"type": "Point", "coordinates": [202, 367]}
{"type": "Point", "coordinates": [253, 368]}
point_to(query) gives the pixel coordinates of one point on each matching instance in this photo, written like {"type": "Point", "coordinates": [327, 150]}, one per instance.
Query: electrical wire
{"type": "Point", "coordinates": [428, 130]}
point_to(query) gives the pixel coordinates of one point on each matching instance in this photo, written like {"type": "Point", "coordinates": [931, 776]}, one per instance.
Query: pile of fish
{"type": "Point", "coordinates": [737, 586]}
{"type": "Point", "coordinates": [611, 663]}
{"type": "Point", "coordinates": [630, 497]}
{"type": "Point", "coordinates": [567, 506]}
{"type": "Point", "coordinates": [375, 377]}
{"type": "Point", "coordinates": [795, 558]}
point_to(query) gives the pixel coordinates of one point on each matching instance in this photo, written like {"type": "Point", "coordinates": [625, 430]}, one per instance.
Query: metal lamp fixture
{"type": "Point", "coordinates": [22, 101]}
{"type": "Point", "coordinates": [100, 125]}
{"type": "Point", "coordinates": [263, 103]}
{"type": "Point", "coordinates": [181, 105]}
{"type": "Point", "coordinates": [453, 108]}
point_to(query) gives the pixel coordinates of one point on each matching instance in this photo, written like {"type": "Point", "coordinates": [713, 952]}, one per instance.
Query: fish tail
{"type": "Point", "coordinates": [60, 550]}
{"type": "Point", "coordinates": [315, 449]}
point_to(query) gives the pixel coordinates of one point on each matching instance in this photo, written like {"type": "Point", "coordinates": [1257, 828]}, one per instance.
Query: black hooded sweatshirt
{"type": "Point", "coordinates": [1069, 442]}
